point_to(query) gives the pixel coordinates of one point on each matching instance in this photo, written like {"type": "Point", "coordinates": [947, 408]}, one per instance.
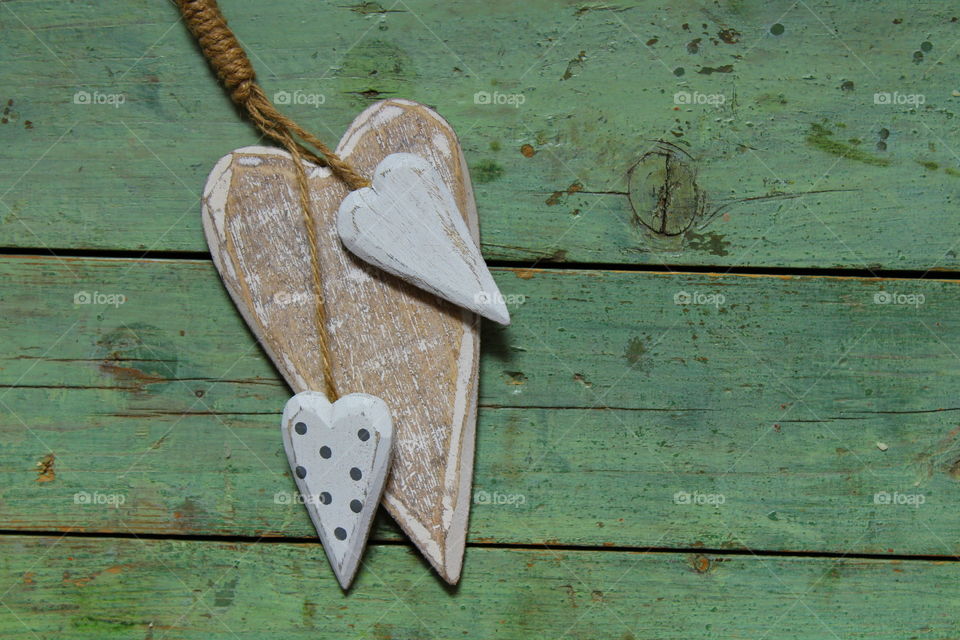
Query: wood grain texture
{"type": "Point", "coordinates": [597, 83]}
{"type": "Point", "coordinates": [775, 398]}
{"type": "Point", "coordinates": [407, 223]}
{"type": "Point", "coordinates": [105, 588]}
{"type": "Point", "coordinates": [340, 456]}
{"type": "Point", "coordinates": [387, 338]}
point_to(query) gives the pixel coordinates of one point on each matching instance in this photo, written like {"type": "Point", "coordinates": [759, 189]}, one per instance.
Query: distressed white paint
{"type": "Point", "coordinates": [339, 454]}
{"type": "Point", "coordinates": [408, 224]}
{"type": "Point", "coordinates": [389, 339]}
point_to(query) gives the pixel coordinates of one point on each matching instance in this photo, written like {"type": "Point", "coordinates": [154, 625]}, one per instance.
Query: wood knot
{"type": "Point", "coordinates": [663, 191]}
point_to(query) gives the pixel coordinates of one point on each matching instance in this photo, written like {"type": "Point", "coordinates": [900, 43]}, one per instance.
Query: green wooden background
{"type": "Point", "coordinates": [779, 458]}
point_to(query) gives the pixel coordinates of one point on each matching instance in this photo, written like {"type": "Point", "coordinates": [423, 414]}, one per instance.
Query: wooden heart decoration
{"type": "Point", "coordinates": [388, 338]}
{"type": "Point", "coordinates": [339, 454]}
{"type": "Point", "coordinates": [407, 223]}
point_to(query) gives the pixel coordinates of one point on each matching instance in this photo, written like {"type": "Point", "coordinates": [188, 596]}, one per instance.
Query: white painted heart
{"type": "Point", "coordinates": [407, 223]}
{"type": "Point", "coordinates": [340, 454]}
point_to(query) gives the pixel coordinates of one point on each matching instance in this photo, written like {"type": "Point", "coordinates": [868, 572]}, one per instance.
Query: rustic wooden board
{"type": "Point", "coordinates": [583, 88]}
{"type": "Point", "coordinates": [109, 588]}
{"type": "Point", "coordinates": [775, 399]}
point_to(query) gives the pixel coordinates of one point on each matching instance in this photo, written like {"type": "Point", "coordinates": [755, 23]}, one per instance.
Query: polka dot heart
{"type": "Point", "coordinates": [340, 456]}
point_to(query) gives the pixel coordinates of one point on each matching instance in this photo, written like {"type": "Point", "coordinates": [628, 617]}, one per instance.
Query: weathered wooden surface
{"type": "Point", "coordinates": [775, 399]}
{"type": "Point", "coordinates": [774, 414]}
{"type": "Point", "coordinates": [554, 102]}
{"type": "Point", "coordinates": [386, 337]}
{"type": "Point", "coordinates": [105, 588]}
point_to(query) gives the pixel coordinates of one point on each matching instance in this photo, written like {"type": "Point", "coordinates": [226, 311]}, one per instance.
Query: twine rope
{"type": "Point", "coordinates": [232, 66]}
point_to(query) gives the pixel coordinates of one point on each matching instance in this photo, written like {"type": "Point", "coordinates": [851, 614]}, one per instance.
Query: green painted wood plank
{"type": "Point", "coordinates": [108, 588]}
{"type": "Point", "coordinates": [608, 410]}
{"type": "Point", "coordinates": [597, 84]}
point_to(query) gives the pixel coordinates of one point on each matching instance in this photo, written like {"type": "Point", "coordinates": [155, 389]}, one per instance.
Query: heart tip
{"type": "Point", "coordinates": [497, 313]}
{"type": "Point", "coordinates": [345, 574]}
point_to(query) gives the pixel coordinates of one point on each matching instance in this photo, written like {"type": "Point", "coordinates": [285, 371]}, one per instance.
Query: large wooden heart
{"type": "Point", "coordinates": [388, 339]}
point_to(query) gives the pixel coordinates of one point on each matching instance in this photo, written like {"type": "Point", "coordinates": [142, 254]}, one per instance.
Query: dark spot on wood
{"type": "Point", "coordinates": [634, 351]}
{"type": "Point", "coordinates": [954, 470]}
{"type": "Point", "coordinates": [694, 46]}
{"type": "Point", "coordinates": [777, 29]}
{"type": "Point", "coordinates": [370, 94]}
{"type": "Point", "coordinates": [700, 563]}
{"type": "Point", "coordinates": [557, 196]}
{"type": "Point", "coordinates": [574, 66]}
{"type": "Point", "coordinates": [663, 191]}
{"type": "Point", "coordinates": [598, 7]}
{"type": "Point", "coordinates": [45, 472]}
{"type": "Point", "coordinates": [710, 242]}
{"type": "Point", "coordinates": [367, 8]}
{"type": "Point", "coordinates": [847, 85]}
{"type": "Point", "coordinates": [486, 171]}
{"type": "Point", "coordinates": [730, 36]}
{"type": "Point", "coordinates": [515, 378]}
{"type": "Point", "coordinates": [528, 151]}
{"type": "Point", "coordinates": [224, 596]}
{"type": "Point", "coordinates": [652, 41]}
{"type": "Point", "coordinates": [727, 68]}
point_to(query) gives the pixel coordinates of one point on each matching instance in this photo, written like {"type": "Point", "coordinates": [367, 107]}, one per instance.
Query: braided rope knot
{"type": "Point", "coordinates": [232, 66]}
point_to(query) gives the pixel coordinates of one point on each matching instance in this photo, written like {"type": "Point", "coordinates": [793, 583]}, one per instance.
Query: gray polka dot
{"type": "Point", "coordinates": [355, 473]}
{"type": "Point", "coordinates": [301, 473]}
{"type": "Point", "coordinates": [301, 427]}
{"type": "Point", "coordinates": [341, 533]}
{"type": "Point", "coordinates": [325, 452]}
{"type": "Point", "coordinates": [363, 434]}
{"type": "Point", "coordinates": [356, 506]}
{"type": "Point", "coordinates": [326, 498]}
